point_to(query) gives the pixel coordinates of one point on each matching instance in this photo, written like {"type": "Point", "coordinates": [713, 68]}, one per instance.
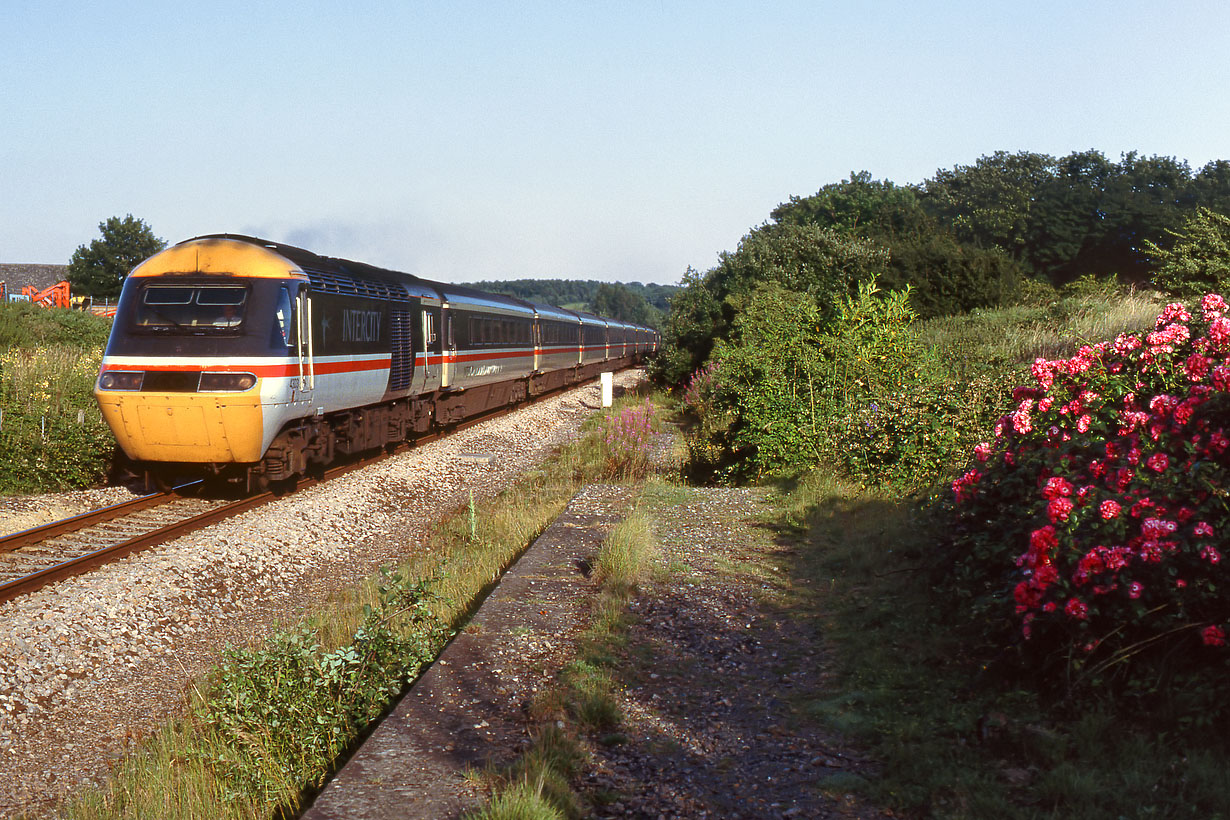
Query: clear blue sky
{"type": "Point", "coordinates": [615, 140]}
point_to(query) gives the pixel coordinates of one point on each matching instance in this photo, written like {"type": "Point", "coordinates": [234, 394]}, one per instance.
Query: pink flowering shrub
{"type": "Point", "coordinates": [627, 441]}
{"type": "Point", "coordinates": [1091, 531]}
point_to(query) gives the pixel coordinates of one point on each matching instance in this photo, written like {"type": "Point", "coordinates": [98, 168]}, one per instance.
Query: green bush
{"type": "Point", "coordinates": [912, 438]}
{"type": "Point", "coordinates": [779, 395]}
{"type": "Point", "coordinates": [27, 326]}
{"type": "Point", "coordinates": [283, 712]}
{"type": "Point", "coordinates": [54, 452]}
{"type": "Point", "coordinates": [1199, 261]}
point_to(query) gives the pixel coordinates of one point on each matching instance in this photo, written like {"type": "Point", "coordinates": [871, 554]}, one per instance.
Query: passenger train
{"type": "Point", "coordinates": [257, 362]}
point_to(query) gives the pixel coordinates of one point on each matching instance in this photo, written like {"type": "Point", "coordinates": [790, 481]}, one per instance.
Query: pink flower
{"type": "Point", "coordinates": [1126, 343]}
{"type": "Point", "coordinates": [1076, 608]}
{"type": "Point", "coordinates": [1057, 486]}
{"type": "Point", "coordinates": [1083, 423]}
{"type": "Point", "coordinates": [1158, 462]}
{"type": "Point", "coordinates": [1173, 312]}
{"type": "Point", "coordinates": [1154, 528]}
{"type": "Point", "coordinates": [1213, 635]}
{"type": "Point", "coordinates": [1210, 554]}
{"type": "Point", "coordinates": [1109, 509]}
{"type": "Point", "coordinates": [1135, 589]}
{"type": "Point", "coordinates": [1203, 529]}
{"type": "Point", "coordinates": [1213, 306]}
{"type": "Point", "coordinates": [1219, 333]}
{"type": "Point", "coordinates": [1044, 372]}
{"type": "Point", "coordinates": [1059, 509]}
{"type": "Point", "coordinates": [1221, 378]}
{"type": "Point", "coordinates": [965, 487]}
{"type": "Point", "coordinates": [1196, 367]}
{"type": "Point", "coordinates": [982, 451]}
{"type": "Point", "coordinates": [1043, 539]}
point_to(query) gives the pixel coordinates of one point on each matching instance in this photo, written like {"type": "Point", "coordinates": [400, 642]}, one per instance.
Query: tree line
{"type": "Point", "coordinates": [972, 236]}
{"type": "Point", "coordinates": [644, 304]}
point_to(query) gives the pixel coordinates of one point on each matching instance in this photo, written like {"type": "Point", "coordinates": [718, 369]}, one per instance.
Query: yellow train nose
{"type": "Point", "coordinates": [185, 427]}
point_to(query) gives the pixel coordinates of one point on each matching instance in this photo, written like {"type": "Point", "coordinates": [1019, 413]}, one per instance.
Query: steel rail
{"type": "Point", "coordinates": [24, 538]}
{"type": "Point", "coordinates": [92, 560]}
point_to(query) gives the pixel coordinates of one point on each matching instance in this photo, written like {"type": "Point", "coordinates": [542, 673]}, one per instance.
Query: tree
{"type": "Point", "coordinates": [821, 262]}
{"type": "Point", "coordinates": [944, 274]}
{"type": "Point", "coordinates": [859, 206]}
{"type": "Point", "coordinates": [989, 203]}
{"type": "Point", "coordinates": [688, 332]}
{"type": "Point", "coordinates": [621, 302]}
{"type": "Point", "coordinates": [100, 269]}
{"type": "Point", "coordinates": [1199, 261]}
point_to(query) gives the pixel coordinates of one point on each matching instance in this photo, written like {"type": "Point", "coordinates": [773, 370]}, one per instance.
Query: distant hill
{"type": "Point", "coordinates": [573, 292]}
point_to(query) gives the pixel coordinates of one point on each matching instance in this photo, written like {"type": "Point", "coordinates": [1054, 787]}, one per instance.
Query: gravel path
{"type": "Point", "coordinates": [91, 665]}
{"type": "Point", "coordinates": [714, 675]}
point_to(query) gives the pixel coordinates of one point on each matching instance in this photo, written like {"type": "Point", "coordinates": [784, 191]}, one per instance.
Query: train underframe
{"type": "Point", "coordinates": [307, 446]}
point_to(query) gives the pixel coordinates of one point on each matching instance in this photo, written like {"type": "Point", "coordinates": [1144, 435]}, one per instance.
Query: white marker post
{"type": "Point", "coordinates": [608, 388]}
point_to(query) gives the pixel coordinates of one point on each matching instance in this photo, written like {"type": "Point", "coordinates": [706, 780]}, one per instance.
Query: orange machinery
{"type": "Point", "coordinates": [55, 296]}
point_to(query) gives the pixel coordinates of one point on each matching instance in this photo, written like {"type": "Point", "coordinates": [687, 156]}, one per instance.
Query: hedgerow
{"type": "Point", "coordinates": [1088, 535]}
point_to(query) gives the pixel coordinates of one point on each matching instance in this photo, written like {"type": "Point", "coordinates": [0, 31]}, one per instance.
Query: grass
{"type": "Point", "coordinates": [1006, 337]}
{"type": "Point", "coordinates": [952, 740]}
{"type": "Point", "coordinates": [182, 771]}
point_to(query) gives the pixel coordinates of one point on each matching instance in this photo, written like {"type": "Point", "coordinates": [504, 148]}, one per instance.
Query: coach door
{"type": "Point", "coordinates": [305, 383]}
{"type": "Point", "coordinates": [448, 373]}
{"type": "Point", "coordinates": [536, 340]}
{"type": "Point", "coordinates": [431, 352]}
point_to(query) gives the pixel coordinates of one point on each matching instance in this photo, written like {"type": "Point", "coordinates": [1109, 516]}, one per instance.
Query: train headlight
{"type": "Point", "coordinates": [227, 382]}
{"type": "Point", "coordinates": [121, 380]}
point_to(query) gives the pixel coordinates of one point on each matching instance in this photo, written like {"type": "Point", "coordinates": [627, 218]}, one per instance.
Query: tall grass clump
{"type": "Point", "coordinates": [1010, 338]}
{"type": "Point", "coordinates": [628, 440]}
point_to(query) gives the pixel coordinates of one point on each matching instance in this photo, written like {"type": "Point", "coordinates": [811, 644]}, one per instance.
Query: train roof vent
{"type": "Point", "coordinates": [331, 282]}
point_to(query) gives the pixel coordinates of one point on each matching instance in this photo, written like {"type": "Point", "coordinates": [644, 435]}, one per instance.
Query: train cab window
{"type": "Point", "coordinates": [191, 308]}
{"type": "Point", "coordinates": [284, 320]}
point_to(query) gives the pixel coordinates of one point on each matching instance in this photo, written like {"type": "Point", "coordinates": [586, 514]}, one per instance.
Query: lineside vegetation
{"type": "Point", "coordinates": [1007, 463]}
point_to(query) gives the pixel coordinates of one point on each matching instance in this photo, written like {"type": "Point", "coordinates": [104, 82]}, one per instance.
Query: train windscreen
{"type": "Point", "coordinates": [191, 308]}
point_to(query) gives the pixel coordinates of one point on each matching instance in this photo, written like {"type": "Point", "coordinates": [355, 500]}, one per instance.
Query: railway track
{"type": "Point", "coordinates": [34, 558]}
{"type": "Point", "coordinates": [42, 555]}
